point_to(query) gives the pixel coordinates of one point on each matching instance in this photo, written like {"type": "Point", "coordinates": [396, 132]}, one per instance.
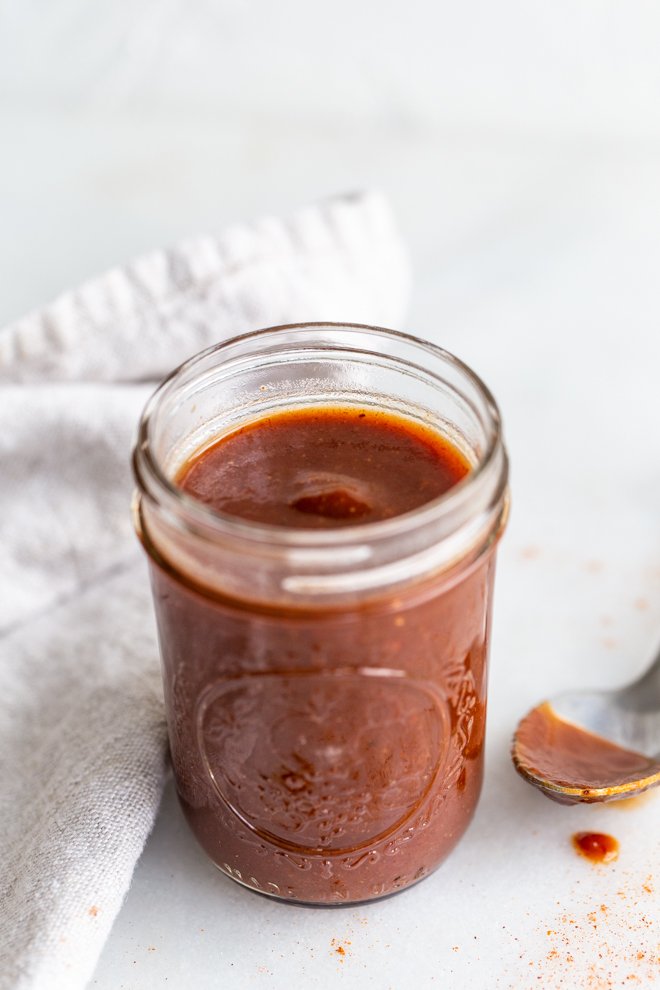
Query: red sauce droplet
{"type": "Point", "coordinates": [596, 846]}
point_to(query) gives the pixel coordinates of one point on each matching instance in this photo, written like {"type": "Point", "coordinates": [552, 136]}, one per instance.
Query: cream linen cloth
{"type": "Point", "coordinates": [82, 734]}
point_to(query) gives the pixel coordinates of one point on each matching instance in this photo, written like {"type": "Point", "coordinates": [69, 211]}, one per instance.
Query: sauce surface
{"type": "Point", "coordinates": [324, 467]}
{"type": "Point", "coordinates": [565, 755]}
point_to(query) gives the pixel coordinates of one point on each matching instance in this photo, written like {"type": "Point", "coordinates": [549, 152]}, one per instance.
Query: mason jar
{"type": "Point", "coordinates": [325, 688]}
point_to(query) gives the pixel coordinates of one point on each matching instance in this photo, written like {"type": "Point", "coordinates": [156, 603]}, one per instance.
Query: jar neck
{"type": "Point", "coordinates": [311, 365]}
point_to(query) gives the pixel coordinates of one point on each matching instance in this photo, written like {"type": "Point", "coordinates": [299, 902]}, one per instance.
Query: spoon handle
{"type": "Point", "coordinates": [643, 695]}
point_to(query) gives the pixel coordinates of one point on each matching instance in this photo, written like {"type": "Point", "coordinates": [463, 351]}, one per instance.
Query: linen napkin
{"type": "Point", "coordinates": [82, 732]}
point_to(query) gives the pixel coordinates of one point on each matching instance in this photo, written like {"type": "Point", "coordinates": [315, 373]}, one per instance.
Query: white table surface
{"type": "Point", "coordinates": [536, 259]}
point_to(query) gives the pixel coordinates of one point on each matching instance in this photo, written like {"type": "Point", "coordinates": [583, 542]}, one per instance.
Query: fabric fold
{"type": "Point", "coordinates": [341, 260]}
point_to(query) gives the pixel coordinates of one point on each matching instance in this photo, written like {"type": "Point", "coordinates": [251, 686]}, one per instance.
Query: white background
{"type": "Point", "coordinates": [519, 144]}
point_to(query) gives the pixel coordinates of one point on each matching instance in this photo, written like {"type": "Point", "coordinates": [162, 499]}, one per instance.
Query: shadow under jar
{"type": "Point", "coordinates": [325, 685]}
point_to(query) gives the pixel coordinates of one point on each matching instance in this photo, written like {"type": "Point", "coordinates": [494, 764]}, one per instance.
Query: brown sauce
{"type": "Point", "coordinates": [566, 756]}
{"type": "Point", "coordinates": [596, 846]}
{"type": "Point", "coordinates": [321, 468]}
{"type": "Point", "coordinates": [327, 755]}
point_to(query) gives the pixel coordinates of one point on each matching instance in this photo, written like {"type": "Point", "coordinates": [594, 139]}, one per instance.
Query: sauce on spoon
{"type": "Point", "coordinates": [571, 765]}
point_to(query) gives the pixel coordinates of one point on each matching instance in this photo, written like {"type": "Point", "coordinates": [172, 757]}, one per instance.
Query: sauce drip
{"type": "Point", "coordinates": [596, 846]}
{"type": "Point", "coordinates": [324, 467]}
{"type": "Point", "coordinates": [559, 753]}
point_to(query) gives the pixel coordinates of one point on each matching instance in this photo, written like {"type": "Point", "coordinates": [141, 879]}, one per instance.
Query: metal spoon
{"type": "Point", "coordinates": [593, 745]}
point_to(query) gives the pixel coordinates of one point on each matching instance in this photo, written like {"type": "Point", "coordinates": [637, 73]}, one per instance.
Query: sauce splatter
{"type": "Point", "coordinates": [597, 946]}
{"type": "Point", "coordinates": [596, 846]}
{"type": "Point", "coordinates": [340, 947]}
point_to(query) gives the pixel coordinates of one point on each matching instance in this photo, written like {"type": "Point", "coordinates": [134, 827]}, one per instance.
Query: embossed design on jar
{"type": "Point", "coordinates": [323, 762]}
{"type": "Point", "coordinates": [466, 708]}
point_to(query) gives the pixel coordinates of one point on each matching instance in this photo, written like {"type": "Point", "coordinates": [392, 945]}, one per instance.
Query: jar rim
{"type": "Point", "coordinates": [202, 520]}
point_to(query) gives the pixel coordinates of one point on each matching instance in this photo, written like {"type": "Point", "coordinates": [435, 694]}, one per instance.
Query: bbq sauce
{"type": "Point", "coordinates": [596, 846]}
{"type": "Point", "coordinates": [323, 468]}
{"type": "Point", "coordinates": [327, 754]}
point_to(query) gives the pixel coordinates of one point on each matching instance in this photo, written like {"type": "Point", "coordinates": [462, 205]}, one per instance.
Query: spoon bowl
{"type": "Point", "coordinates": [590, 746]}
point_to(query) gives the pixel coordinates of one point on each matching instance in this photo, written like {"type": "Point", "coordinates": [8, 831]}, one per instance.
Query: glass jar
{"type": "Point", "coordinates": [325, 689]}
